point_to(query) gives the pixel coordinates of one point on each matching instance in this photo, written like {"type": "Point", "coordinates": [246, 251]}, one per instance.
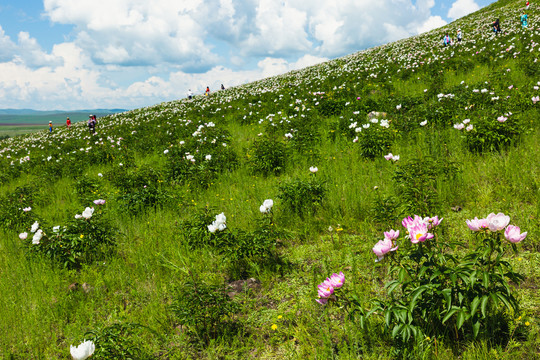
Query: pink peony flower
{"type": "Point", "coordinates": [434, 221]}
{"type": "Point", "coordinates": [383, 247]}
{"type": "Point", "coordinates": [99, 202]}
{"type": "Point", "coordinates": [419, 232]}
{"type": "Point", "coordinates": [496, 222]}
{"type": "Point", "coordinates": [322, 301]}
{"type": "Point", "coordinates": [512, 234]}
{"type": "Point", "coordinates": [477, 224]}
{"type": "Point", "coordinates": [337, 280]}
{"type": "Point", "coordinates": [392, 234]}
{"type": "Point", "coordinates": [325, 289]}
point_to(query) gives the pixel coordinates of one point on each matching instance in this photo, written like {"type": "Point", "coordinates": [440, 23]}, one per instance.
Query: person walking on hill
{"type": "Point", "coordinates": [447, 40]}
{"type": "Point", "coordinates": [523, 20]}
{"type": "Point", "coordinates": [459, 35]}
{"type": "Point", "coordinates": [527, 5]}
{"type": "Point", "coordinates": [222, 87]}
{"type": "Point", "coordinates": [50, 126]}
{"type": "Point", "coordinates": [189, 94]}
{"type": "Point", "coordinates": [68, 123]}
{"type": "Point", "coordinates": [92, 124]}
{"type": "Point", "coordinates": [207, 92]}
{"type": "Point", "coordinates": [496, 26]}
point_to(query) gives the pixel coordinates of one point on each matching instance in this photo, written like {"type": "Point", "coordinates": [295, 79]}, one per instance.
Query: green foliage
{"type": "Point", "coordinates": [199, 162]}
{"type": "Point", "coordinates": [418, 182]}
{"type": "Point", "coordinates": [437, 293]}
{"type": "Point", "coordinates": [206, 311]}
{"type": "Point", "coordinates": [331, 107]}
{"type": "Point", "coordinates": [80, 241]}
{"type": "Point", "coordinates": [140, 188]}
{"type": "Point", "coordinates": [375, 141]}
{"type": "Point", "coordinates": [118, 341]}
{"type": "Point", "coordinates": [302, 196]}
{"type": "Point", "coordinates": [267, 156]}
{"type": "Point", "coordinates": [491, 135]}
{"type": "Point", "coordinates": [241, 249]}
{"type": "Point", "coordinates": [12, 215]}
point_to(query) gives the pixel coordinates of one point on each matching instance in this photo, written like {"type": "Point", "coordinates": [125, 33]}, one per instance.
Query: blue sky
{"type": "Point", "coordinates": [78, 54]}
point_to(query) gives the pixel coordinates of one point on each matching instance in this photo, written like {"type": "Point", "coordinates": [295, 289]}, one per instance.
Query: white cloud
{"type": "Point", "coordinates": [461, 8]}
{"type": "Point", "coordinates": [433, 22]}
{"type": "Point", "coordinates": [132, 53]}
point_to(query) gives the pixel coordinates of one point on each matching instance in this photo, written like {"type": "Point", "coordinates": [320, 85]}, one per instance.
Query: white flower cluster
{"type": "Point", "coordinates": [218, 224]}
{"type": "Point", "coordinates": [266, 206]}
{"type": "Point", "coordinates": [87, 213]}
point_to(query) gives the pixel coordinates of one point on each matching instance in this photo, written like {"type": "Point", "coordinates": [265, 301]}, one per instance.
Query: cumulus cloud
{"type": "Point", "coordinates": [132, 53]}
{"type": "Point", "coordinates": [433, 22]}
{"type": "Point", "coordinates": [461, 8]}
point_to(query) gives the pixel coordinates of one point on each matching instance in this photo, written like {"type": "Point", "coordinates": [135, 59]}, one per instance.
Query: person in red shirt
{"type": "Point", "coordinates": [68, 122]}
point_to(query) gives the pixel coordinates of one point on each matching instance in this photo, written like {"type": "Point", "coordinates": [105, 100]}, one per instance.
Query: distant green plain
{"type": "Point", "coordinates": [13, 125]}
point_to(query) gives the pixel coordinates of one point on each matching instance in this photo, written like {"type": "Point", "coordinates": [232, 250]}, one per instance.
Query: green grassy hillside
{"type": "Point", "coordinates": [155, 272]}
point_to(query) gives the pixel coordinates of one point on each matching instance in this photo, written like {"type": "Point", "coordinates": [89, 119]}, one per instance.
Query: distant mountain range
{"type": "Point", "coordinates": [35, 117]}
{"type": "Point", "coordinates": [51, 112]}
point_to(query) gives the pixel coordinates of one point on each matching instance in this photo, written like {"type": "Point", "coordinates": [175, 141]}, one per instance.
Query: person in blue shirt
{"type": "Point", "coordinates": [524, 19]}
{"type": "Point", "coordinates": [446, 40]}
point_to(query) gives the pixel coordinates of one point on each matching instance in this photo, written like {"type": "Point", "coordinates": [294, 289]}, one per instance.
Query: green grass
{"type": "Point", "coordinates": [43, 312]}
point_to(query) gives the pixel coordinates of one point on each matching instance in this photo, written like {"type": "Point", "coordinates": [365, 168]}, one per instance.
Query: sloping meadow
{"type": "Point", "coordinates": [380, 205]}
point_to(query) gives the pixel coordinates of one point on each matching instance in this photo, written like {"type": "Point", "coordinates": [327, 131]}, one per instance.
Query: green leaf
{"type": "Point", "coordinates": [396, 330]}
{"type": "Point", "coordinates": [485, 299]}
{"type": "Point", "coordinates": [390, 286]}
{"type": "Point", "coordinates": [401, 275]}
{"type": "Point", "coordinates": [450, 313]}
{"type": "Point", "coordinates": [474, 305]}
{"type": "Point", "coordinates": [388, 317]}
{"type": "Point", "coordinates": [460, 319]}
{"type": "Point", "coordinates": [485, 277]}
{"type": "Point", "coordinates": [414, 296]}
{"type": "Point", "coordinates": [505, 301]}
{"type": "Point", "coordinates": [476, 328]}
{"type": "Point", "coordinates": [447, 293]}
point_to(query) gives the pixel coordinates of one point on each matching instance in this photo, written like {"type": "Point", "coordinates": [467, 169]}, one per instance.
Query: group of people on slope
{"type": "Point", "coordinates": [447, 40]}
{"type": "Point", "coordinates": [523, 19]}
{"type": "Point", "coordinates": [496, 25]}
{"type": "Point", "coordinates": [92, 120]}
{"type": "Point", "coordinates": [206, 92]}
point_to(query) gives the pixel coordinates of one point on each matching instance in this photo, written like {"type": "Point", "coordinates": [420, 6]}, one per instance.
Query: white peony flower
{"type": "Point", "coordinates": [266, 206]}
{"type": "Point", "coordinates": [212, 228]}
{"type": "Point", "coordinates": [37, 237]}
{"type": "Point", "coordinates": [23, 235]}
{"type": "Point", "coordinates": [87, 213]}
{"type": "Point", "coordinates": [83, 351]}
{"type": "Point", "coordinates": [313, 169]}
{"type": "Point", "coordinates": [35, 226]}
{"type": "Point", "coordinates": [56, 228]}
{"type": "Point", "coordinates": [221, 218]}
